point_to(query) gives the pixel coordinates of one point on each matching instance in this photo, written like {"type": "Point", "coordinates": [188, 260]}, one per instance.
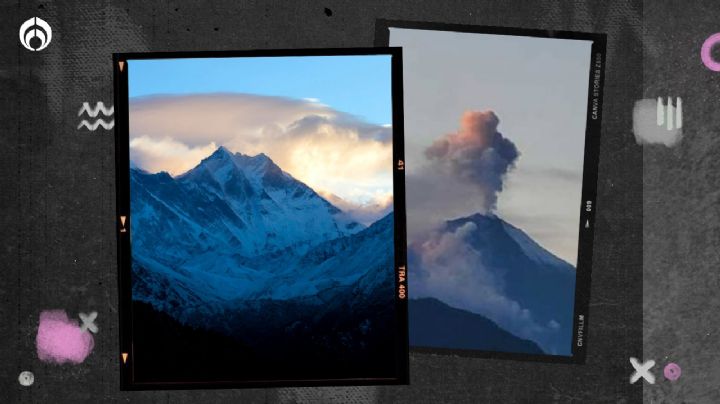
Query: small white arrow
{"type": "Point", "coordinates": [587, 224]}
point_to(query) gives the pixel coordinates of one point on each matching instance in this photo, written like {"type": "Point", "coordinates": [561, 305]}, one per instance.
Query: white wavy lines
{"type": "Point", "coordinates": [94, 125]}
{"type": "Point", "coordinates": [93, 112]}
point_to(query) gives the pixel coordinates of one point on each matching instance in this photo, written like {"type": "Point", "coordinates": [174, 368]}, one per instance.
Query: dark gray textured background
{"type": "Point", "coordinates": [681, 186]}
{"type": "Point", "coordinates": [57, 194]}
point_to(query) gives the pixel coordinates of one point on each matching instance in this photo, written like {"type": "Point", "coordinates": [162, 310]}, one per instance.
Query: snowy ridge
{"type": "Point", "coordinates": [532, 249]}
{"type": "Point", "coordinates": [237, 230]}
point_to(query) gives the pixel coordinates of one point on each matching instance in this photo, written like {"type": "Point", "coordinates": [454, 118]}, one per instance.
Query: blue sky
{"type": "Point", "coordinates": [359, 85]}
{"type": "Point", "coordinates": [320, 118]}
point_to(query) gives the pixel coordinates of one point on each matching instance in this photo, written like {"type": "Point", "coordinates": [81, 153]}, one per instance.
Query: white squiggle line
{"type": "Point", "coordinates": [99, 106]}
{"type": "Point", "coordinates": [99, 122]}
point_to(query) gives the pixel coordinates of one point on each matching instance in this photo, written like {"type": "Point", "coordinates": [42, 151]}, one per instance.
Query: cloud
{"type": "Point", "coordinates": [199, 119]}
{"type": "Point", "coordinates": [554, 176]}
{"type": "Point", "coordinates": [329, 150]}
{"type": "Point", "coordinates": [477, 154]}
{"type": "Point", "coordinates": [167, 154]}
{"type": "Point", "coordinates": [445, 266]}
{"type": "Point", "coordinates": [434, 197]}
{"type": "Point", "coordinates": [365, 213]}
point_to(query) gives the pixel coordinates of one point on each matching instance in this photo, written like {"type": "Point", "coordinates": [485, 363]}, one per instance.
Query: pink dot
{"type": "Point", "coordinates": [706, 55]}
{"type": "Point", "coordinates": [672, 371]}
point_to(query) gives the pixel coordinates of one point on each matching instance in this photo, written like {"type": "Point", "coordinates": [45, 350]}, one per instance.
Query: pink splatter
{"type": "Point", "coordinates": [61, 340]}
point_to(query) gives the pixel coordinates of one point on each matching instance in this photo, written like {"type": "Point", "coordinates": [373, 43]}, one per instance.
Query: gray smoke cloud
{"type": "Point", "coordinates": [477, 154]}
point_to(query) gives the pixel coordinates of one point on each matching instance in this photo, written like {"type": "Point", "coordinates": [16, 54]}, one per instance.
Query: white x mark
{"type": "Point", "coordinates": [89, 321]}
{"type": "Point", "coordinates": [642, 371]}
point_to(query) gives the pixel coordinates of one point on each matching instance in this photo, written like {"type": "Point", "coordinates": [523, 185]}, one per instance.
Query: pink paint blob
{"type": "Point", "coordinates": [706, 55]}
{"type": "Point", "coordinates": [60, 340]}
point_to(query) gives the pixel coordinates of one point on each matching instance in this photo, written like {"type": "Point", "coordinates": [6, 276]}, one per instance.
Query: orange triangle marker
{"type": "Point", "coordinates": [122, 64]}
{"type": "Point", "coordinates": [122, 220]}
{"type": "Point", "coordinates": [124, 356]}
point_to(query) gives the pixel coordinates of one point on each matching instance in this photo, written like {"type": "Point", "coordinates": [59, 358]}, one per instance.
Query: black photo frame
{"type": "Point", "coordinates": [130, 323]}
{"type": "Point", "coordinates": [588, 207]}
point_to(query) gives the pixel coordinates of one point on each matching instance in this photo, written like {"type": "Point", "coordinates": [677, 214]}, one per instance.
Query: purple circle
{"type": "Point", "coordinates": [672, 371]}
{"type": "Point", "coordinates": [705, 54]}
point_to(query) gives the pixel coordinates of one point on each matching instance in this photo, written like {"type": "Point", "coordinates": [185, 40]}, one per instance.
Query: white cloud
{"type": "Point", "coordinates": [327, 149]}
{"type": "Point", "coordinates": [167, 154]}
{"type": "Point", "coordinates": [363, 212]}
{"type": "Point", "coordinates": [434, 198]}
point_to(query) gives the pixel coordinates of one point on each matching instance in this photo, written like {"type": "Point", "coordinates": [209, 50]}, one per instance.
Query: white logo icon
{"type": "Point", "coordinates": [642, 370]}
{"type": "Point", "coordinates": [665, 113]}
{"type": "Point", "coordinates": [94, 112]}
{"type": "Point", "coordinates": [35, 28]}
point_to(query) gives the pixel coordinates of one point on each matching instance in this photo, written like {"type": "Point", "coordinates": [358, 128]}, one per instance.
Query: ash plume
{"type": "Point", "coordinates": [477, 154]}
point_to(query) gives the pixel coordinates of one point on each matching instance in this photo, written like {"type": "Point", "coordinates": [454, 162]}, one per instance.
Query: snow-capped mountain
{"type": "Point", "coordinates": [293, 313]}
{"type": "Point", "coordinates": [248, 204]}
{"type": "Point", "coordinates": [513, 267]}
{"type": "Point", "coordinates": [236, 236]}
{"type": "Point", "coordinates": [211, 283]}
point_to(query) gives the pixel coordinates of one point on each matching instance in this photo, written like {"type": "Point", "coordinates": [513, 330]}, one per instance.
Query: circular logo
{"type": "Point", "coordinates": [35, 34]}
{"type": "Point", "coordinates": [672, 371]}
{"type": "Point", "coordinates": [26, 378]}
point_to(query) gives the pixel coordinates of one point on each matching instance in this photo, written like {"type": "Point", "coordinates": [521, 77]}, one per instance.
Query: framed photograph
{"type": "Point", "coordinates": [260, 218]}
{"type": "Point", "coordinates": [502, 139]}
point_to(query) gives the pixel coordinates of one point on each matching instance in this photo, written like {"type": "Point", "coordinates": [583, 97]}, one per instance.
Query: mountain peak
{"type": "Point", "coordinates": [482, 216]}
{"type": "Point", "coordinates": [221, 152]}
{"type": "Point", "coordinates": [216, 170]}
{"type": "Point", "coordinates": [493, 229]}
{"type": "Point", "coordinates": [255, 162]}
{"type": "Point", "coordinates": [489, 220]}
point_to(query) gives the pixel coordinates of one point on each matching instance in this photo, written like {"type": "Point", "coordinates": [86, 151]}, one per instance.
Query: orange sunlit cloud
{"type": "Point", "coordinates": [329, 150]}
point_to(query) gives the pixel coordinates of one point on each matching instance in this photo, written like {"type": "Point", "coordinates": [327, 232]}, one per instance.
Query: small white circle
{"type": "Point", "coordinates": [26, 378]}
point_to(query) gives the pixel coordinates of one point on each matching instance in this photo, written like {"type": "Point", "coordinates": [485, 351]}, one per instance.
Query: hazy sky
{"type": "Point", "coordinates": [326, 120]}
{"type": "Point", "coordinates": [537, 88]}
